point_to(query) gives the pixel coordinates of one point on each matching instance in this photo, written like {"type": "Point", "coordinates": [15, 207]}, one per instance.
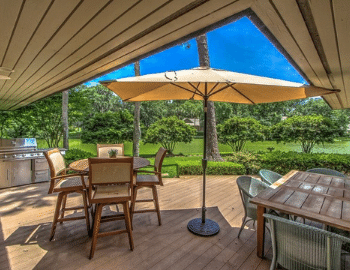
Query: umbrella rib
{"type": "Point", "coordinates": [211, 90]}
{"type": "Point", "coordinates": [193, 92]}
{"type": "Point", "coordinates": [221, 89]}
{"type": "Point", "coordinates": [239, 92]}
{"type": "Point", "coordinates": [196, 89]}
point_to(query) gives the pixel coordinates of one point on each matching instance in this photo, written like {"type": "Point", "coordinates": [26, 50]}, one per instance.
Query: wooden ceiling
{"type": "Point", "coordinates": [54, 45]}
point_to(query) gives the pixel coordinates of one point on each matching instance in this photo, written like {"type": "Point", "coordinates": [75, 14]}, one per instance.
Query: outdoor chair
{"type": "Point", "coordinates": [346, 246]}
{"type": "Point", "coordinates": [326, 172]}
{"type": "Point", "coordinates": [299, 246]}
{"type": "Point", "coordinates": [248, 188]}
{"type": "Point", "coordinates": [102, 149]}
{"type": "Point", "coordinates": [150, 180]}
{"type": "Point", "coordinates": [110, 182]}
{"type": "Point", "coordinates": [269, 177]}
{"type": "Point", "coordinates": [65, 184]}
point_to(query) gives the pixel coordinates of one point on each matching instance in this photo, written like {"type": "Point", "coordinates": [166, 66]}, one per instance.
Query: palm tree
{"type": "Point", "coordinates": [212, 137]}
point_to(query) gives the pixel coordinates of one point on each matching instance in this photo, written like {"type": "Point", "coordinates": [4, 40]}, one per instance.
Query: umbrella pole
{"type": "Point", "coordinates": [204, 160]}
{"type": "Point", "coordinates": [203, 226]}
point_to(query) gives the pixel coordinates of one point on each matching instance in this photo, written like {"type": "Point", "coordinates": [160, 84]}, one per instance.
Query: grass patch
{"type": "Point", "coordinates": [341, 146]}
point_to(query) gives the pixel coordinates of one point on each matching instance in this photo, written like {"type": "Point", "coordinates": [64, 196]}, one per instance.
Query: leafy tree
{"type": "Point", "coordinates": [108, 127]}
{"type": "Point", "coordinates": [5, 121]}
{"type": "Point", "coordinates": [224, 111]}
{"type": "Point", "coordinates": [168, 132]}
{"type": "Point", "coordinates": [100, 99]}
{"type": "Point", "coordinates": [318, 106]}
{"type": "Point", "coordinates": [236, 131]}
{"type": "Point", "coordinates": [308, 130]}
{"type": "Point", "coordinates": [152, 111]}
{"type": "Point", "coordinates": [46, 115]}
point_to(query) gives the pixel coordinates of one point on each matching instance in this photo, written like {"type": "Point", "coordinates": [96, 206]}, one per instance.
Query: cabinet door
{"type": "Point", "coordinates": [5, 174]}
{"type": "Point", "coordinates": [22, 174]}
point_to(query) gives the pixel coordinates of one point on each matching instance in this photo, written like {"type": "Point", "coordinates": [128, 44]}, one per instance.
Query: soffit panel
{"type": "Point", "coordinates": [68, 42]}
{"type": "Point", "coordinates": [177, 27]}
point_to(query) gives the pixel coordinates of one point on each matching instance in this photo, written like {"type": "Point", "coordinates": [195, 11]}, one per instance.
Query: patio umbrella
{"type": "Point", "coordinates": [209, 84]}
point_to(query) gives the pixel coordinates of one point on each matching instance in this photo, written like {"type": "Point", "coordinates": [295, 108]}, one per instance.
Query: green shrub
{"type": "Point", "coordinates": [283, 162]}
{"type": "Point", "coordinates": [249, 160]}
{"type": "Point", "coordinates": [214, 168]}
{"type": "Point", "coordinates": [108, 127]}
{"type": "Point", "coordinates": [76, 154]}
{"type": "Point", "coordinates": [236, 131]}
{"type": "Point", "coordinates": [168, 132]}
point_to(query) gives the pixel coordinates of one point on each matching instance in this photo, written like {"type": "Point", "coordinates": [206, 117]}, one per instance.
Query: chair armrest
{"type": "Point", "coordinates": [155, 172]}
{"type": "Point", "coordinates": [66, 176]}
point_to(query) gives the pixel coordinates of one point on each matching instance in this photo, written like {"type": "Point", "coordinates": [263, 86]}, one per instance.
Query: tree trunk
{"type": "Point", "coordinates": [65, 95]}
{"type": "Point", "coordinates": [137, 129]}
{"type": "Point", "coordinates": [212, 137]}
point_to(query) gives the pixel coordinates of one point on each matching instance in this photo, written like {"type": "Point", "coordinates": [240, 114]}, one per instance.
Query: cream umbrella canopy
{"type": "Point", "coordinates": [209, 84]}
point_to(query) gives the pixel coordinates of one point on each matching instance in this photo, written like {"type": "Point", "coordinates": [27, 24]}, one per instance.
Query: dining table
{"type": "Point", "coordinates": [82, 165]}
{"type": "Point", "coordinates": [317, 197]}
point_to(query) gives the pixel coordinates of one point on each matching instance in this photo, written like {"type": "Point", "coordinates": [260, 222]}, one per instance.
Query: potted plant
{"type": "Point", "coordinates": [113, 153]}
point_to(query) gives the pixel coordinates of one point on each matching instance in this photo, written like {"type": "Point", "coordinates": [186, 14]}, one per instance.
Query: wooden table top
{"type": "Point", "coordinates": [317, 197]}
{"type": "Point", "coordinates": [83, 164]}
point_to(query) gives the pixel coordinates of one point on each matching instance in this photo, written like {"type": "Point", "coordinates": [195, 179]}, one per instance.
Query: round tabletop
{"type": "Point", "coordinates": [83, 164]}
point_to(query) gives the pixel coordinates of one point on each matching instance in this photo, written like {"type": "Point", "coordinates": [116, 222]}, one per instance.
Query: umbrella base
{"type": "Point", "coordinates": [208, 228]}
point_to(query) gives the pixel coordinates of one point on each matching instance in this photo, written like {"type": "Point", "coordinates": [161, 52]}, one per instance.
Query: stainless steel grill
{"type": "Point", "coordinates": [21, 162]}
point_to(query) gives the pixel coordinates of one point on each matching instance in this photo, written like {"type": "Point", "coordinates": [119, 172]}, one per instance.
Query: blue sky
{"type": "Point", "coordinates": [238, 47]}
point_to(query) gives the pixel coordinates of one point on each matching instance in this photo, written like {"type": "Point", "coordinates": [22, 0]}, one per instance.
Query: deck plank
{"type": "Point", "coordinates": [26, 214]}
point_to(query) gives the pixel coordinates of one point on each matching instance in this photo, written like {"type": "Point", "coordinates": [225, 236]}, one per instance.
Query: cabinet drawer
{"type": "Point", "coordinates": [40, 164]}
{"type": "Point", "coordinates": [41, 176]}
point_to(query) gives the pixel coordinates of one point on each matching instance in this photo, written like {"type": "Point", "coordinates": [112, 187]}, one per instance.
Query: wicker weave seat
{"type": "Point", "coordinates": [71, 182]}
{"type": "Point", "coordinates": [299, 246]}
{"type": "Point", "coordinates": [115, 191]}
{"type": "Point", "coordinates": [65, 184]}
{"type": "Point", "coordinates": [147, 179]}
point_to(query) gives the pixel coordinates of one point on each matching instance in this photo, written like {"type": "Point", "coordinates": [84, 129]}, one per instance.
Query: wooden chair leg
{"type": "Point", "coordinates": [86, 208]}
{"type": "Point", "coordinates": [156, 203]}
{"type": "Point", "coordinates": [132, 206]}
{"type": "Point", "coordinates": [93, 214]}
{"type": "Point", "coordinates": [57, 213]}
{"type": "Point", "coordinates": [96, 229]}
{"type": "Point", "coordinates": [128, 223]}
{"type": "Point", "coordinates": [64, 201]}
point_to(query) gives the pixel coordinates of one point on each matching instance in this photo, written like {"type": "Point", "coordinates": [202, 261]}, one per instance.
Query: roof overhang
{"type": "Point", "coordinates": [55, 45]}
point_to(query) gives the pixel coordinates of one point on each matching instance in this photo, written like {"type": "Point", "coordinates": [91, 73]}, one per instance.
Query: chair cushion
{"type": "Point", "coordinates": [71, 183]}
{"type": "Point", "coordinates": [111, 191]}
{"type": "Point", "coordinates": [147, 179]}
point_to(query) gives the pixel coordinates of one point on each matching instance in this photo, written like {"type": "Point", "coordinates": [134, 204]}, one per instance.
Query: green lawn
{"type": "Point", "coordinates": [170, 165]}
{"type": "Point", "coordinates": [196, 147]}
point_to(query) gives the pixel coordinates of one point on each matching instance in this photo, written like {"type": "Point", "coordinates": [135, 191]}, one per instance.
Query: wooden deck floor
{"type": "Point", "coordinates": [26, 214]}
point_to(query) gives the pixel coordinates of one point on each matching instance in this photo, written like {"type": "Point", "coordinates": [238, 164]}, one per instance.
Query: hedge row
{"type": "Point", "coordinates": [213, 168]}
{"type": "Point", "coordinates": [76, 154]}
{"type": "Point", "coordinates": [283, 162]}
